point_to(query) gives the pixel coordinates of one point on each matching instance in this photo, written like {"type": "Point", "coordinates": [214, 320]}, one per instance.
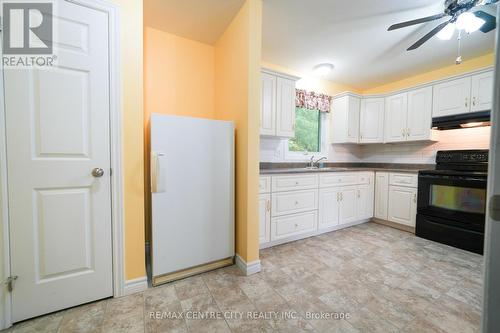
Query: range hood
{"type": "Point", "coordinates": [465, 120]}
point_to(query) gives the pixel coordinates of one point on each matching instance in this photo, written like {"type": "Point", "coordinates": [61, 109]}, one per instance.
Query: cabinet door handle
{"type": "Point", "coordinates": [403, 132]}
{"type": "Point", "coordinates": [338, 196]}
{"type": "Point", "coordinates": [408, 131]}
{"type": "Point", "coordinates": [466, 102]}
{"type": "Point", "coordinates": [359, 194]}
{"type": "Point", "coordinates": [474, 101]}
{"type": "Point", "coordinates": [341, 196]}
{"type": "Point", "coordinates": [415, 197]}
{"type": "Point", "coordinates": [268, 205]}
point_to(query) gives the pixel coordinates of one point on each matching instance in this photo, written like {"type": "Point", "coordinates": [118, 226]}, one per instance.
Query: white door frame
{"type": "Point", "coordinates": [116, 163]}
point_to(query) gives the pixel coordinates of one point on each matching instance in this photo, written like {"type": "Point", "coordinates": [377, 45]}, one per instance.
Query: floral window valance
{"type": "Point", "coordinates": [312, 101]}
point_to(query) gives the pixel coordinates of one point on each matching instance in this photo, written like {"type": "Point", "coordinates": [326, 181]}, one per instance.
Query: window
{"type": "Point", "coordinates": [307, 131]}
{"type": "Point", "coordinates": [310, 135]}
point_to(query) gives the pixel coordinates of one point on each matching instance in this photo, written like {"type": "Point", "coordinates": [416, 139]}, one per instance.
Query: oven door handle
{"type": "Point", "coordinates": [446, 177]}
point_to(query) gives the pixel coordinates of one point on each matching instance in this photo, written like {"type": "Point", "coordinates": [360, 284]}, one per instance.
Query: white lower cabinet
{"type": "Point", "coordinates": [329, 203]}
{"type": "Point", "coordinates": [293, 225]}
{"type": "Point", "coordinates": [402, 205]}
{"type": "Point", "coordinates": [264, 218]}
{"type": "Point", "coordinates": [365, 201]}
{"type": "Point", "coordinates": [381, 195]}
{"type": "Point", "coordinates": [396, 197]}
{"type": "Point", "coordinates": [308, 204]}
{"type": "Point", "coordinates": [347, 209]}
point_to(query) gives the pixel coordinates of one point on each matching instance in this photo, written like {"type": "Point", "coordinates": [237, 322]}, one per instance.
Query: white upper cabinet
{"type": "Point", "coordinates": [277, 106]}
{"type": "Point", "coordinates": [345, 119]}
{"type": "Point", "coordinates": [482, 92]}
{"type": "Point", "coordinates": [268, 104]}
{"type": "Point", "coordinates": [396, 109]}
{"type": "Point", "coordinates": [372, 120]}
{"type": "Point", "coordinates": [408, 116]}
{"type": "Point", "coordinates": [419, 120]}
{"type": "Point", "coordinates": [452, 97]}
{"type": "Point", "coordinates": [285, 108]}
{"type": "Point", "coordinates": [469, 94]}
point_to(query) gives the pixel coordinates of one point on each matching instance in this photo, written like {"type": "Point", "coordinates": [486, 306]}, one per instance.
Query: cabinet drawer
{"type": "Point", "coordinates": [265, 184]}
{"type": "Point", "coordinates": [287, 226]}
{"type": "Point", "coordinates": [289, 183]}
{"type": "Point", "coordinates": [403, 179]}
{"type": "Point", "coordinates": [294, 202]}
{"type": "Point", "coordinates": [364, 178]}
{"type": "Point", "coordinates": [338, 179]}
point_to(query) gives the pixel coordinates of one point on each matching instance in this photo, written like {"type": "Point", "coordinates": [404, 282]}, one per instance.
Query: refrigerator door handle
{"type": "Point", "coordinates": [157, 182]}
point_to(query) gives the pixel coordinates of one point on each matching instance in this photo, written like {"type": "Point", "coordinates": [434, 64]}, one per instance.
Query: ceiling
{"type": "Point", "coordinates": [203, 21]}
{"type": "Point", "coordinates": [300, 34]}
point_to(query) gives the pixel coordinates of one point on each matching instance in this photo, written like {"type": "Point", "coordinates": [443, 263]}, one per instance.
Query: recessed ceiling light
{"type": "Point", "coordinates": [323, 69]}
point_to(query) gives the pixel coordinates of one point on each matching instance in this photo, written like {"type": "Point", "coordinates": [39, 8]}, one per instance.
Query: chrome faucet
{"type": "Point", "coordinates": [313, 163]}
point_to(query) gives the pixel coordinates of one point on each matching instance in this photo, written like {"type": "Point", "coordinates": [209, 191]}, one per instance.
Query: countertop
{"type": "Point", "coordinates": [292, 168]}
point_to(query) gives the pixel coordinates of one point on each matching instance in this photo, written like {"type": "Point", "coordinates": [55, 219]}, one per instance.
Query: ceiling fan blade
{"type": "Point", "coordinates": [417, 21]}
{"type": "Point", "coordinates": [428, 36]}
{"type": "Point", "coordinates": [490, 21]}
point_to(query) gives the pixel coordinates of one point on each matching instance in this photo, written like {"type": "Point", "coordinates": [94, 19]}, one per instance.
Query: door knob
{"type": "Point", "coordinates": [97, 172]}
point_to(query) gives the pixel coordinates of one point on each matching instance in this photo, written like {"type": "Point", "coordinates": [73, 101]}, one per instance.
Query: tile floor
{"type": "Point", "coordinates": [381, 279]}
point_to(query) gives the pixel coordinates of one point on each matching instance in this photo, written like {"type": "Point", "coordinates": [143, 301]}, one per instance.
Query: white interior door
{"type": "Point", "coordinates": [57, 121]}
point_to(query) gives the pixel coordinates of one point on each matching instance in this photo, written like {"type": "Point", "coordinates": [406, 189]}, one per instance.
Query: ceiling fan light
{"type": "Point", "coordinates": [447, 32]}
{"type": "Point", "coordinates": [469, 22]}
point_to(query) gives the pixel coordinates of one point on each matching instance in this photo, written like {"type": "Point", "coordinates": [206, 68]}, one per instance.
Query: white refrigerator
{"type": "Point", "coordinates": [192, 184]}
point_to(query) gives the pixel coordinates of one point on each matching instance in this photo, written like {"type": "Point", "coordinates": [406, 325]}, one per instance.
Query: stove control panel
{"type": "Point", "coordinates": [462, 156]}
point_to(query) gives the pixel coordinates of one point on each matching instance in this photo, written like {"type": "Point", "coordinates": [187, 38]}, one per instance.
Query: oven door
{"type": "Point", "coordinates": [459, 199]}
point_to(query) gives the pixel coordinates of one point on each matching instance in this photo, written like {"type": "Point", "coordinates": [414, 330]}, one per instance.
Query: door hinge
{"type": "Point", "coordinates": [10, 282]}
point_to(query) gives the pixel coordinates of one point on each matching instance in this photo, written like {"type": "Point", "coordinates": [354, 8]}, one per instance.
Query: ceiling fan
{"type": "Point", "coordinates": [455, 10]}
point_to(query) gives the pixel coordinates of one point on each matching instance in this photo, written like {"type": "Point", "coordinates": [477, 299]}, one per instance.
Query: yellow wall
{"type": "Point", "coordinates": [179, 78]}
{"type": "Point", "coordinates": [237, 98]}
{"type": "Point", "coordinates": [178, 75]}
{"type": "Point", "coordinates": [311, 83]}
{"type": "Point", "coordinates": [466, 66]}
{"type": "Point", "coordinates": [132, 112]}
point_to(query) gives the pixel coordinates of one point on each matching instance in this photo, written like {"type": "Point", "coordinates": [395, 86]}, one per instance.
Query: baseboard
{"type": "Point", "coordinates": [247, 268]}
{"type": "Point", "coordinates": [135, 286]}
{"type": "Point", "coordinates": [311, 234]}
{"type": "Point", "coordinates": [394, 225]}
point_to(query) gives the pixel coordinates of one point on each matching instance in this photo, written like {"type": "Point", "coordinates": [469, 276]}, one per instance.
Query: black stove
{"type": "Point", "coordinates": [452, 199]}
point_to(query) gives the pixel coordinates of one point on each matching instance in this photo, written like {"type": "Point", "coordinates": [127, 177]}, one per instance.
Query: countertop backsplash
{"type": "Point", "coordinates": [273, 150]}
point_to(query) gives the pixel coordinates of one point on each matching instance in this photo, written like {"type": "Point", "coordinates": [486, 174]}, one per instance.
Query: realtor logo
{"type": "Point", "coordinates": [27, 28]}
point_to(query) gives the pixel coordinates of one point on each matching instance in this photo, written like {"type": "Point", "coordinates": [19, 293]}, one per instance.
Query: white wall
{"type": "Point", "coordinates": [272, 150]}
